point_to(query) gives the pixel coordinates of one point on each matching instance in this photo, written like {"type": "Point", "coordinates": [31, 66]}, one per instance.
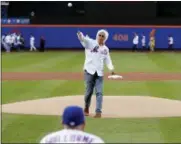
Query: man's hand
{"type": "Point", "coordinates": [79, 34]}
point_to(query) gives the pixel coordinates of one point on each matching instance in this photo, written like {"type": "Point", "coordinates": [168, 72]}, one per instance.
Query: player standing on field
{"type": "Point", "coordinates": [32, 43]}
{"type": "Point", "coordinates": [74, 124]}
{"type": "Point", "coordinates": [8, 43]}
{"type": "Point", "coordinates": [170, 42]}
{"type": "Point", "coordinates": [96, 54]}
{"type": "Point", "coordinates": [152, 40]}
{"type": "Point", "coordinates": [143, 41]}
{"type": "Point", "coordinates": [135, 42]}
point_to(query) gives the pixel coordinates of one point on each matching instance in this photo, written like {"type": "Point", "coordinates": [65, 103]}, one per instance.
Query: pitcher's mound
{"type": "Point", "coordinates": [113, 106]}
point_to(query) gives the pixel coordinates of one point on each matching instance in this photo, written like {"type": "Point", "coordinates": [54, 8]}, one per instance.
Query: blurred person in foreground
{"type": "Point", "coordinates": [96, 55]}
{"type": "Point", "coordinates": [73, 121]}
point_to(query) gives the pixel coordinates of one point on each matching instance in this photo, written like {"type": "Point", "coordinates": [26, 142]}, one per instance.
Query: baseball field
{"type": "Point", "coordinates": [145, 106]}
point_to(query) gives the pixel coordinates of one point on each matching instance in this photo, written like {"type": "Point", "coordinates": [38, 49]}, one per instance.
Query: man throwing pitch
{"type": "Point", "coordinates": [96, 54]}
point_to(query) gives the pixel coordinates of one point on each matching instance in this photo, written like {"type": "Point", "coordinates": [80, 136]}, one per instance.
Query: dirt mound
{"type": "Point", "coordinates": [113, 106]}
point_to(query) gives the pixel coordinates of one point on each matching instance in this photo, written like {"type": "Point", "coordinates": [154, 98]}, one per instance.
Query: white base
{"type": "Point", "coordinates": [115, 77]}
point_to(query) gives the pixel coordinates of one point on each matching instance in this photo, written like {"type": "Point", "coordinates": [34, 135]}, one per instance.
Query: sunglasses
{"type": "Point", "coordinates": [101, 36]}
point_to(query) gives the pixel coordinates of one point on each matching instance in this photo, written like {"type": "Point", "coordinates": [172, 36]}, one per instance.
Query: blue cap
{"type": "Point", "coordinates": [73, 116]}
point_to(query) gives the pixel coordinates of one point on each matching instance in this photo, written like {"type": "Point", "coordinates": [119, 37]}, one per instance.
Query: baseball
{"type": "Point", "coordinates": [69, 4]}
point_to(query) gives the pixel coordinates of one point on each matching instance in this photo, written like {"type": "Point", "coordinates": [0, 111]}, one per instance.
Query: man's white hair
{"type": "Point", "coordinates": [103, 31]}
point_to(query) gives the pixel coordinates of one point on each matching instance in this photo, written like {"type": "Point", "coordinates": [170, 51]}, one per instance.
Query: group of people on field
{"type": "Point", "coordinates": [12, 41]}
{"type": "Point", "coordinates": [151, 44]}
{"type": "Point", "coordinates": [15, 41]}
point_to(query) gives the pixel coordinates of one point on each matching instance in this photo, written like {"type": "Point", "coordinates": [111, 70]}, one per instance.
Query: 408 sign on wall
{"type": "Point", "coordinates": [121, 37]}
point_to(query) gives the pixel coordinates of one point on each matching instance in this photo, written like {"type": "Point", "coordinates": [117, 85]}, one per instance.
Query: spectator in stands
{"type": "Point", "coordinates": [135, 41]}
{"type": "Point", "coordinates": [170, 42]}
{"type": "Point", "coordinates": [143, 41]}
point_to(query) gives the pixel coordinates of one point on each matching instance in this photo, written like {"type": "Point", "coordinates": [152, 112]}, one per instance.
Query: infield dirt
{"type": "Point", "coordinates": [113, 106]}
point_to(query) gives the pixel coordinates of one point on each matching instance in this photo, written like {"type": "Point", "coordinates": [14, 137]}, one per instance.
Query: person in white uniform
{"type": "Point", "coordinates": [96, 54]}
{"type": "Point", "coordinates": [32, 43]}
{"type": "Point", "coordinates": [73, 121]}
{"type": "Point", "coordinates": [15, 44]}
{"type": "Point", "coordinates": [143, 41]}
{"type": "Point", "coordinates": [13, 38]}
{"type": "Point", "coordinates": [170, 42]}
{"type": "Point", "coordinates": [8, 43]}
{"type": "Point", "coordinates": [18, 42]}
{"type": "Point", "coordinates": [135, 41]}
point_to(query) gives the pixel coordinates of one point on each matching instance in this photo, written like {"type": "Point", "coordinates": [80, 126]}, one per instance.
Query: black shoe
{"type": "Point", "coordinates": [97, 115]}
{"type": "Point", "coordinates": [86, 111]}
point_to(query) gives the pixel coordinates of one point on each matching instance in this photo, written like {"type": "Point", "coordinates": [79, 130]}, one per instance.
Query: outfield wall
{"type": "Point", "coordinates": [120, 36]}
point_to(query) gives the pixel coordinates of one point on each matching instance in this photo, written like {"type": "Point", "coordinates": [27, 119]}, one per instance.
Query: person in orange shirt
{"type": "Point", "coordinates": [152, 40]}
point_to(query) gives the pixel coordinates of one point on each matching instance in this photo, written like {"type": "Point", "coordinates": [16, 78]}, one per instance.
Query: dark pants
{"type": "Point", "coordinates": [93, 81]}
{"type": "Point", "coordinates": [2, 47]}
{"type": "Point", "coordinates": [170, 46]}
{"type": "Point", "coordinates": [42, 45]}
{"type": "Point", "coordinates": [143, 48]}
{"type": "Point", "coordinates": [22, 47]}
{"type": "Point", "coordinates": [17, 47]}
{"type": "Point", "coordinates": [134, 47]}
{"type": "Point", "coordinates": [42, 48]}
